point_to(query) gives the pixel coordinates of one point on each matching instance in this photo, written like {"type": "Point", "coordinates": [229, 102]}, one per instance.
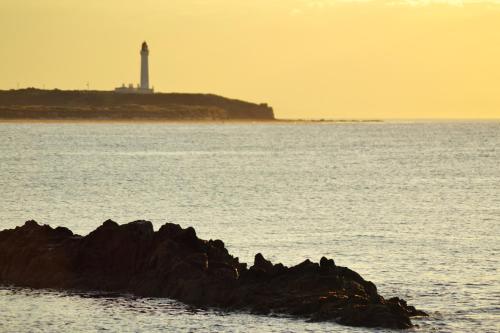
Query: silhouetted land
{"type": "Point", "coordinates": [173, 262]}
{"type": "Point", "coordinates": [36, 104]}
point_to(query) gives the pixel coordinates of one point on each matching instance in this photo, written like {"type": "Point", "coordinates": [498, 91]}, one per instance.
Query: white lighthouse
{"type": "Point", "coordinates": [144, 67]}
{"type": "Point", "coordinates": [143, 87]}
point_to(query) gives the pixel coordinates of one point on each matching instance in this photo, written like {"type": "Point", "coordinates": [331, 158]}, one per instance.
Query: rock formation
{"type": "Point", "coordinates": [173, 262]}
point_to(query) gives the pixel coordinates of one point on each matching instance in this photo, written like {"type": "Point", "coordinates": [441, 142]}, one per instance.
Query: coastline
{"type": "Point", "coordinates": [186, 121]}
{"type": "Point", "coordinates": [239, 121]}
{"type": "Point", "coordinates": [55, 105]}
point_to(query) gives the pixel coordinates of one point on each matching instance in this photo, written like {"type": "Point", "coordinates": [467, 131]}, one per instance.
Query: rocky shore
{"type": "Point", "coordinates": [173, 262]}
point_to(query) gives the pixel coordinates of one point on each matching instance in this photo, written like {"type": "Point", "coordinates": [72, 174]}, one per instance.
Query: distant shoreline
{"type": "Point", "coordinates": [236, 121]}
{"type": "Point", "coordinates": [79, 105]}
{"type": "Point", "coordinates": [187, 121]}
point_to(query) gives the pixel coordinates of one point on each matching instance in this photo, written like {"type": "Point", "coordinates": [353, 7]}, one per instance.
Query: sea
{"type": "Point", "coordinates": [412, 206]}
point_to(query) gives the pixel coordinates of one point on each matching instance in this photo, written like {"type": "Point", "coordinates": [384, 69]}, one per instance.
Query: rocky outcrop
{"type": "Point", "coordinates": [173, 262]}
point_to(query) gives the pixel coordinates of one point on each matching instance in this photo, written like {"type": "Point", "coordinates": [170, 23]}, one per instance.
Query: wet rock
{"type": "Point", "coordinates": [173, 262]}
{"type": "Point", "coordinates": [262, 264]}
{"type": "Point", "coordinates": [326, 265]}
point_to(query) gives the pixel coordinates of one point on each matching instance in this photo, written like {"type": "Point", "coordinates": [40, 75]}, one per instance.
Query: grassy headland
{"type": "Point", "coordinates": [37, 104]}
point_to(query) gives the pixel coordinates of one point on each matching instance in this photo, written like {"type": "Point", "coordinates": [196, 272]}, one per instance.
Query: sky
{"type": "Point", "coordinates": [309, 59]}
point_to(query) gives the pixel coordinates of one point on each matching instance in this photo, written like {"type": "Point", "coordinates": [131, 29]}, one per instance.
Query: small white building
{"type": "Point", "coordinates": [143, 88]}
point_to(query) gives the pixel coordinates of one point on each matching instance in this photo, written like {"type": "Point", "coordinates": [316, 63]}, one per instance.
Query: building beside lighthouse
{"type": "Point", "coordinates": [143, 87]}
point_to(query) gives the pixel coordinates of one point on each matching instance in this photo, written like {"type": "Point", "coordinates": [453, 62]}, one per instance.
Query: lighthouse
{"type": "Point", "coordinates": [143, 87]}
{"type": "Point", "coordinates": [144, 67]}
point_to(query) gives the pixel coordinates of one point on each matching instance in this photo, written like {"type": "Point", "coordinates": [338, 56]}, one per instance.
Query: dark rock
{"type": "Point", "coordinates": [260, 263]}
{"type": "Point", "coordinates": [326, 265]}
{"type": "Point", "coordinates": [173, 262]}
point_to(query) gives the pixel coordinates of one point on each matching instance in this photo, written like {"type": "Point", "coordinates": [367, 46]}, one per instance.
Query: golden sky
{"type": "Point", "coordinates": [307, 58]}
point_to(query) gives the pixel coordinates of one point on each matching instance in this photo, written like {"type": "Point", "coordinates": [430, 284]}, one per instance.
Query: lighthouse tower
{"type": "Point", "coordinates": [144, 67]}
{"type": "Point", "coordinates": [143, 87]}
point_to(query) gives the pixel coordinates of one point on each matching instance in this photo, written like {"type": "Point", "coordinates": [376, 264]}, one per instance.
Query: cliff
{"type": "Point", "coordinates": [107, 105]}
{"type": "Point", "coordinates": [173, 262]}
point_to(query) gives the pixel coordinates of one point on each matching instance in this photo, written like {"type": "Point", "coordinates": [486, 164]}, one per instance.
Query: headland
{"type": "Point", "coordinates": [73, 105]}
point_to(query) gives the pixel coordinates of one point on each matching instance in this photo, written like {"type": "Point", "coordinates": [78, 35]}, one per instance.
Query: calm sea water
{"type": "Point", "coordinates": [413, 207]}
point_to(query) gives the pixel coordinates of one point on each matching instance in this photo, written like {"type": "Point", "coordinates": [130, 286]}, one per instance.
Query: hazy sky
{"type": "Point", "coordinates": [307, 58]}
